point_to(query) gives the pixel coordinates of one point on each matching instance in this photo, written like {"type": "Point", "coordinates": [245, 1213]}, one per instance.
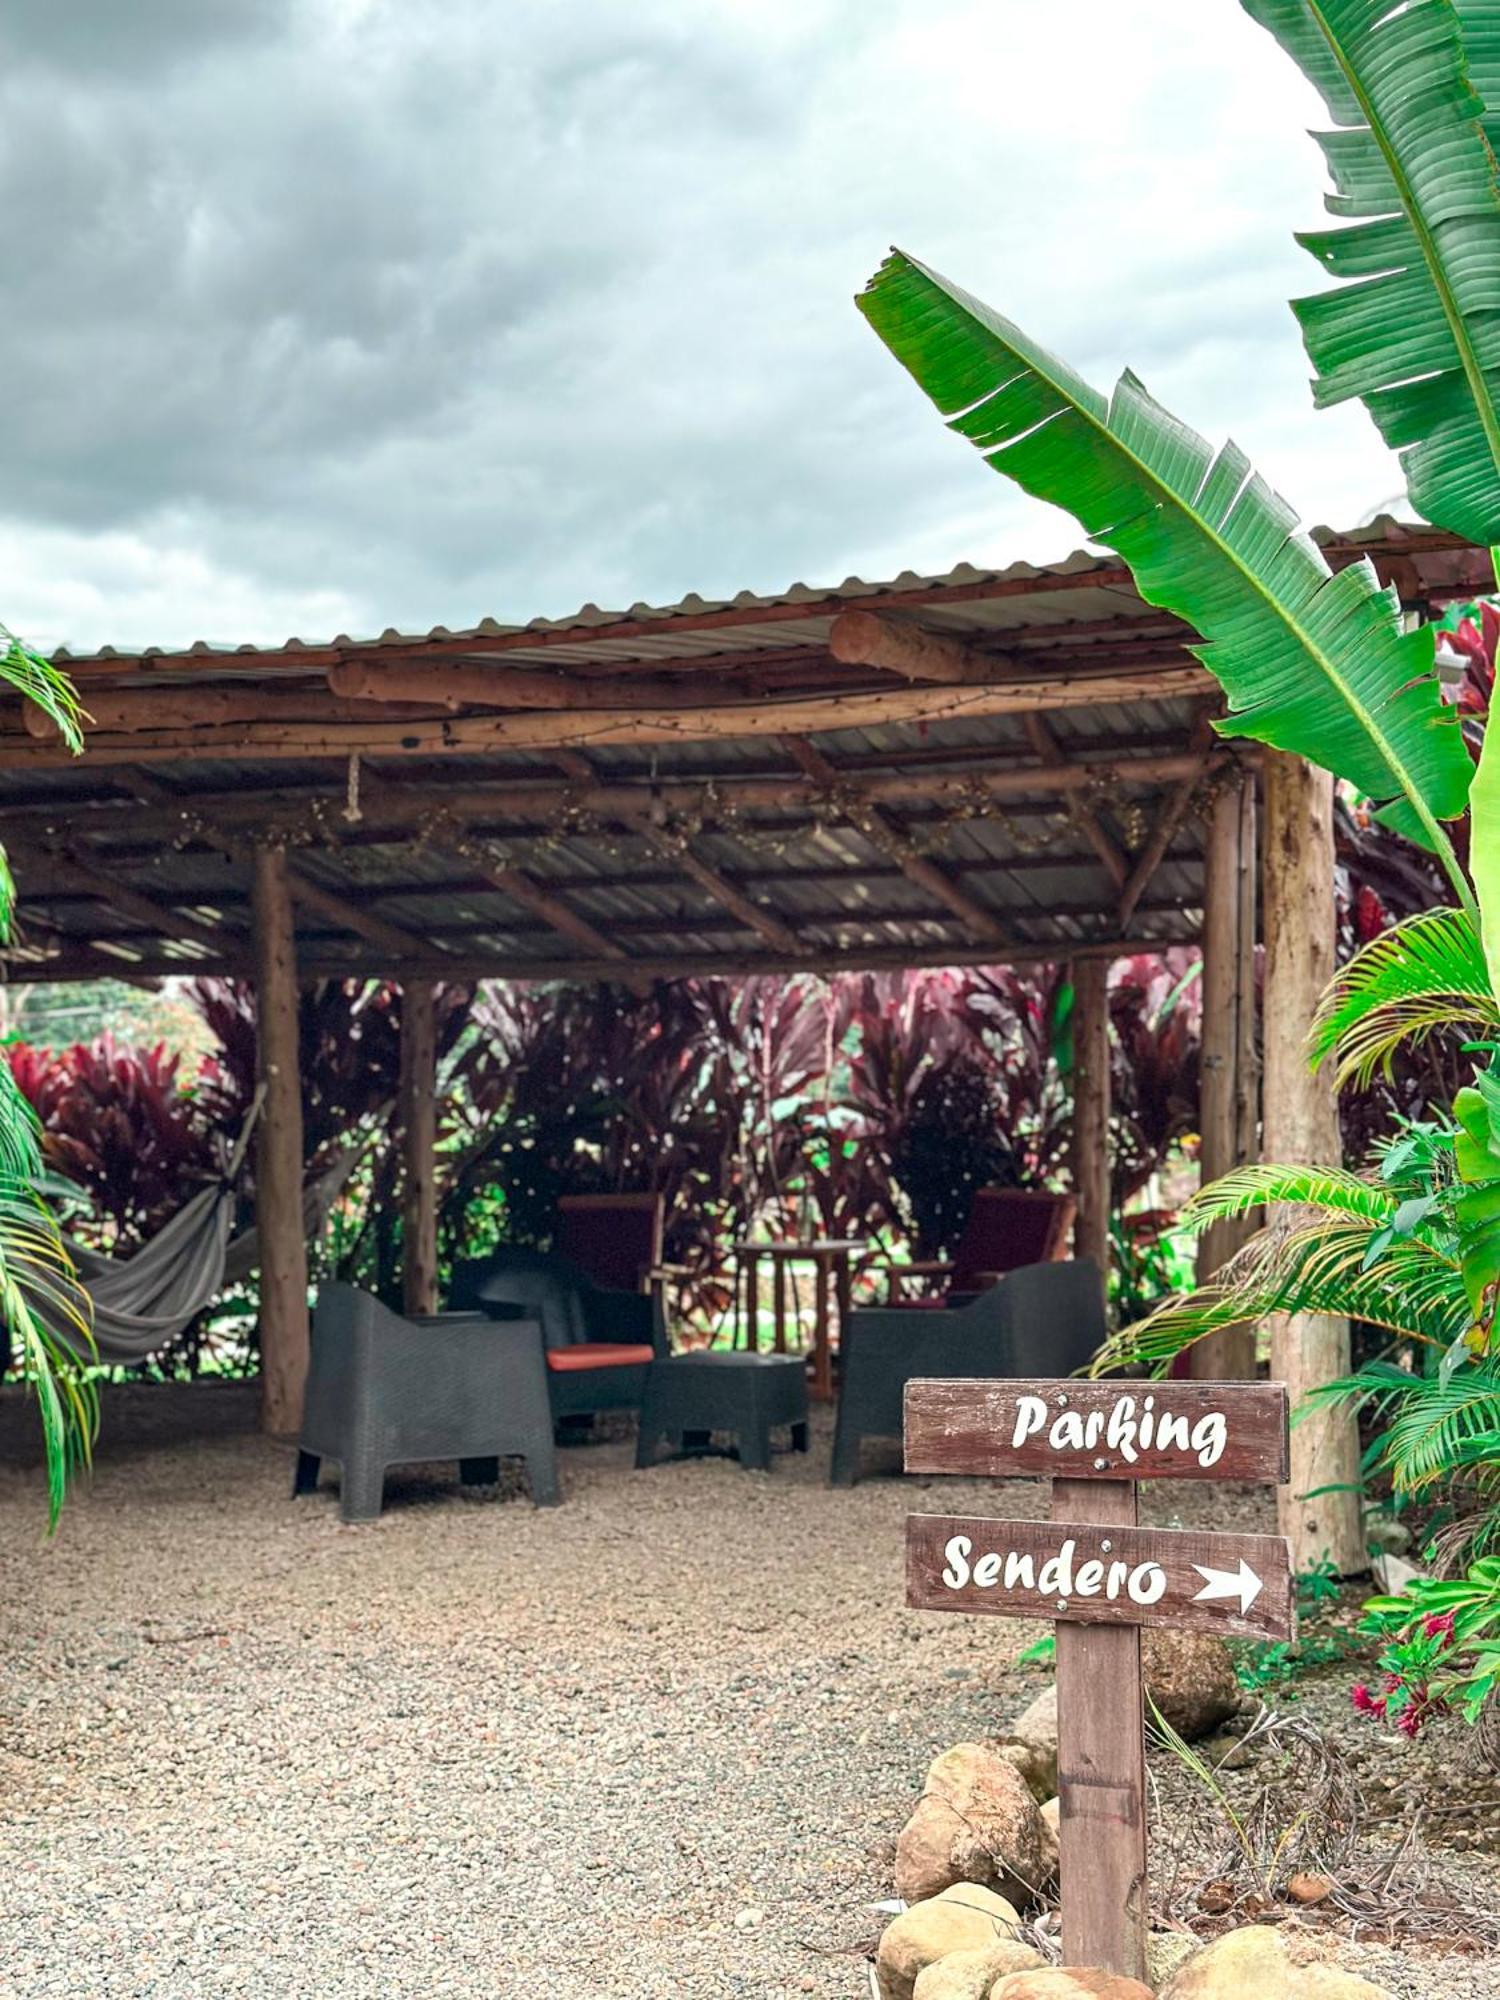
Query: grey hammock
{"type": "Point", "coordinates": [141, 1303]}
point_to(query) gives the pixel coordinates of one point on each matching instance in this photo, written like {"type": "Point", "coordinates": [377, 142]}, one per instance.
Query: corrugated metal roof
{"type": "Point", "coordinates": [682, 853]}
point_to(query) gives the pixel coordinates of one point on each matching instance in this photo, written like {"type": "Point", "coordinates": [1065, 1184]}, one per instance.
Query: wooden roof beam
{"type": "Point", "coordinates": [99, 885]}
{"type": "Point", "coordinates": [553, 729]}
{"type": "Point", "coordinates": [309, 893]}
{"type": "Point", "coordinates": [1169, 817]}
{"type": "Point", "coordinates": [981, 924]}
{"type": "Point", "coordinates": [1098, 835]}
{"type": "Point", "coordinates": [779, 936]}
{"type": "Point", "coordinates": [916, 653]}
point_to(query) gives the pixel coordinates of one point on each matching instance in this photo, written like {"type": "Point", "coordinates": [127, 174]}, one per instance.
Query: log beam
{"type": "Point", "coordinates": [311, 895]}
{"type": "Point", "coordinates": [417, 1112]}
{"type": "Point", "coordinates": [1103, 842]}
{"type": "Point", "coordinates": [925, 874]}
{"type": "Point", "coordinates": [481, 685]}
{"type": "Point", "coordinates": [397, 805]}
{"type": "Point", "coordinates": [1091, 1095]}
{"type": "Point", "coordinates": [917, 653]}
{"type": "Point", "coordinates": [1228, 1087]}
{"type": "Point", "coordinates": [1302, 1127]}
{"type": "Point", "coordinates": [468, 735]}
{"type": "Point", "coordinates": [1169, 817]}
{"type": "Point", "coordinates": [284, 1330]}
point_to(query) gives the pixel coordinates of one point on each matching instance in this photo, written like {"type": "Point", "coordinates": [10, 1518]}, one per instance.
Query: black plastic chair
{"type": "Point", "coordinates": [598, 1345]}
{"type": "Point", "coordinates": [383, 1391]}
{"type": "Point", "coordinates": [1043, 1320]}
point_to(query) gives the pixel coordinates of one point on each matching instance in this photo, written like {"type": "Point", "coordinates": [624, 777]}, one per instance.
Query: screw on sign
{"type": "Point", "coordinates": [1101, 1578]}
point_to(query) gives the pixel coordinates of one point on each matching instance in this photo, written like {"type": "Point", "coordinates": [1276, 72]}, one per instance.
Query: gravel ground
{"type": "Point", "coordinates": [657, 1741]}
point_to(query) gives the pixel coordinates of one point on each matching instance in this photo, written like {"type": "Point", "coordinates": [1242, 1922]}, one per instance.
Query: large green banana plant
{"type": "Point", "coordinates": [1414, 328]}
{"type": "Point", "coordinates": [1310, 661]}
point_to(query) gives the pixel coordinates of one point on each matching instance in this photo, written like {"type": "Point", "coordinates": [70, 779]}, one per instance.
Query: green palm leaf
{"type": "Point", "coordinates": [1426, 973]}
{"type": "Point", "coordinates": [40, 682]}
{"type": "Point", "coordinates": [1415, 329]}
{"type": "Point", "coordinates": [1413, 1290]}
{"type": "Point", "coordinates": [1311, 662]}
{"type": "Point", "coordinates": [1245, 1189]}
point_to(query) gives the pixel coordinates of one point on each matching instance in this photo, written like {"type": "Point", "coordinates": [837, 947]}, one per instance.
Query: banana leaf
{"type": "Point", "coordinates": [1414, 329]}
{"type": "Point", "coordinates": [1311, 662]}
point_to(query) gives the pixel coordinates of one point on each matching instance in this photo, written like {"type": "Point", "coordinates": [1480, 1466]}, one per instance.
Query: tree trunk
{"type": "Point", "coordinates": [1228, 1096]}
{"type": "Point", "coordinates": [278, 1151]}
{"type": "Point", "coordinates": [418, 1117]}
{"type": "Point", "coordinates": [1091, 1158]}
{"type": "Point", "coordinates": [1301, 1127]}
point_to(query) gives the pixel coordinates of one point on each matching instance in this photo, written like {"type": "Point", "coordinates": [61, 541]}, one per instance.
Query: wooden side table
{"type": "Point", "coordinates": [831, 1259]}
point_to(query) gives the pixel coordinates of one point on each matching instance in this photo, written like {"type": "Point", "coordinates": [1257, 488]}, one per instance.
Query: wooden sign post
{"type": "Point", "coordinates": [1100, 1578]}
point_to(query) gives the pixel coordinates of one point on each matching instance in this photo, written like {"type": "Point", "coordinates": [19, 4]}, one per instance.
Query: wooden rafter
{"type": "Point", "coordinates": [70, 867]}
{"type": "Point", "coordinates": [1098, 835]}
{"type": "Point", "coordinates": [304, 890]}
{"type": "Point", "coordinates": [981, 924]}
{"type": "Point", "coordinates": [519, 799]}
{"type": "Point", "coordinates": [1169, 817]}
{"type": "Point", "coordinates": [779, 936]}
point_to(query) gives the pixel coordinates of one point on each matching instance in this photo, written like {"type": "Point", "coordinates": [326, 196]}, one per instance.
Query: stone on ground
{"type": "Point", "coordinates": [970, 1975]}
{"type": "Point", "coordinates": [1190, 1676]}
{"type": "Point", "coordinates": [975, 1822]}
{"type": "Point", "coordinates": [1031, 1744]}
{"type": "Point", "coordinates": [1251, 1964]}
{"type": "Point", "coordinates": [1051, 1832]}
{"type": "Point", "coordinates": [1070, 1982]}
{"type": "Point", "coordinates": [967, 1917]}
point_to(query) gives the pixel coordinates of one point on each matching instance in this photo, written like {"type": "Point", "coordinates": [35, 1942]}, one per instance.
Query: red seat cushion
{"type": "Point", "coordinates": [599, 1354]}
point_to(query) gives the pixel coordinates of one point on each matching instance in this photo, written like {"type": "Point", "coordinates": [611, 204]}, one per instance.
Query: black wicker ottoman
{"type": "Point", "coordinates": [692, 1395]}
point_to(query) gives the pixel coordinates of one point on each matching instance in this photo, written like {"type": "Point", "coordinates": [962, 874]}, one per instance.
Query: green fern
{"type": "Point", "coordinates": [1246, 1189]}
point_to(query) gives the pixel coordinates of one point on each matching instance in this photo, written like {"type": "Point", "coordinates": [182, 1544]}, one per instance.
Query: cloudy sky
{"type": "Point", "coordinates": [330, 315]}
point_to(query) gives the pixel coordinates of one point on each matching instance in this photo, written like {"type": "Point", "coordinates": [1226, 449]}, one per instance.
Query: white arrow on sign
{"type": "Point", "coordinates": [1245, 1585]}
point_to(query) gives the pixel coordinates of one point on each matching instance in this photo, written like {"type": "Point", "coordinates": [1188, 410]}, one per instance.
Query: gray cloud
{"type": "Point", "coordinates": [428, 312]}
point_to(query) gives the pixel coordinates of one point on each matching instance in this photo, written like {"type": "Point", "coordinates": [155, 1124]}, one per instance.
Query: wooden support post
{"type": "Point", "coordinates": [418, 1119]}
{"type": "Point", "coordinates": [1091, 1152]}
{"type": "Point", "coordinates": [1228, 1094]}
{"type": "Point", "coordinates": [1101, 1763]}
{"type": "Point", "coordinates": [1301, 1126]}
{"type": "Point", "coordinates": [278, 1150]}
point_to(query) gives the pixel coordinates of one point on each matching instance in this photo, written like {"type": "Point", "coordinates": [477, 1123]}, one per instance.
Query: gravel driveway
{"type": "Point", "coordinates": [656, 1742]}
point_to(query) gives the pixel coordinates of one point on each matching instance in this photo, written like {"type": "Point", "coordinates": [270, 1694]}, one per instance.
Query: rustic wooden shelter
{"type": "Point", "coordinates": [984, 767]}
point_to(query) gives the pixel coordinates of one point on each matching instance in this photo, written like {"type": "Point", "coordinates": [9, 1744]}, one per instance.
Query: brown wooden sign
{"type": "Point", "coordinates": [1236, 1585]}
{"type": "Point", "coordinates": [1099, 1430]}
{"type": "Point", "coordinates": [1100, 1577]}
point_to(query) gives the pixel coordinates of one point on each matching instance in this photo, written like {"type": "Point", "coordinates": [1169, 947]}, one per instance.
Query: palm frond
{"type": "Point", "coordinates": [43, 684]}
{"type": "Point", "coordinates": [1440, 1428]}
{"type": "Point", "coordinates": [1412, 329]}
{"type": "Point", "coordinates": [1311, 662]}
{"type": "Point", "coordinates": [1426, 973]}
{"type": "Point", "coordinates": [1413, 1289]}
{"type": "Point", "coordinates": [1245, 1189]}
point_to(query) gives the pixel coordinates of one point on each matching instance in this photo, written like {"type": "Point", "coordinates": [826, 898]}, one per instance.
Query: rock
{"type": "Point", "coordinates": [969, 1975]}
{"type": "Point", "coordinates": [967, 1917]}
{"type": "Point", "coordinates": [1309, 1888]}
{"type": "Point", "coordinates": [1031, 1744]}
{"type": "Point", "coordinates": [1051, 1831]}
{"type": "Point", "coordinates": [749, 1920]}
{"type": "Point", "coordinates": [1190, 1676]}
{"type": "Point", "coordinates": [975, 1822]}
{"type": "Point", "coordinates": [1070, 1982]}
{"type": "Point", "coordinates": [1165, 1952]}
{"type": "Point", "coordinates": [1386, 1534]}
{"type": "Point", "coordinates": [1251, 1964]}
